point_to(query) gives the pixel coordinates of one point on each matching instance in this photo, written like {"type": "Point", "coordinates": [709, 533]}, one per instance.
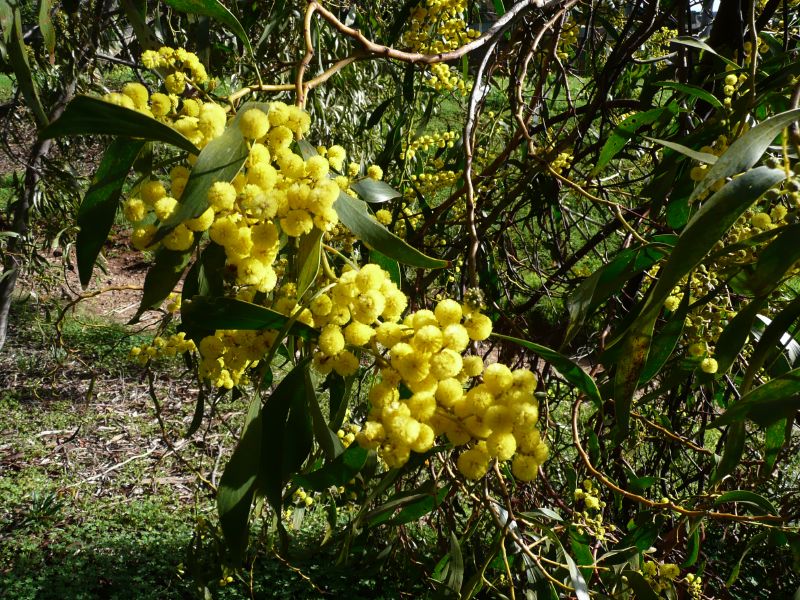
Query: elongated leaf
{"type": "Point", "coordinates": [388, 265]}
{"type": "Point", "coordinates": [732, 452]}
{"type": "Point", "coordinates": [775, 333]}
{"type": "Point", "coordinates": [757, 539]}
{"type": "Point", "coordinates": [220, 160]}
{"type": "Point", "coordinates": [691, 90]}
{"type": "Point", "coordinates": [162, 278]}
{"type": "Point", "coordinates": [752, 499]}
{"type": "Point", "coordinates": [692, 549]}
{"type": "Point", "coordinates": [455, 577]}
{"type": "Point", "coordinates": [775, 261]}
{"type": "Point", "coordinates": [665, 342]}
{"type": "Point", "coordinates": [236, 487]}
{"type": "Point", "coordinates": [353, 214]}
{"type": "Point", "coordinates": [18, 56]}
{"type": "Point", "coordinates": [610, 278]}
{"type": "Point", "coordinates": [735, 334]}
{"type": "Point", "coordinates": [337, 472]}
{"type": "Point", "coordinates": [637, 583]}
{"type": "Point", "coordinates": [326, 438]}
{"type": "Point", "coordinates": [373, 191]}
{"type": "Point", "coordinates": [636, 350]}
{"type": "Point", "coordinates": [86, 115]}
{"type": "Point", "coordinates": [215, 10]}
{"type": "Point", "coordinates": [308, 259]}
{"type": "Point", "coordinates": [583, 554]}
{"type": "Point", "coordinates": [414, 511]}
{"type": "Point", "coordinates": [626, 130]}
{"type": "Point", "coordinates": [701, 45]}
{"type": "Point", "coordinates": [287, 434]}
{"type": "Point", "coordinates": [231, 313]}
{"type": "Point", "coordinates": [46, 28]}
{"type": "Point", "coordinates": [709, 224]}
{"type": "Point", "coordinates": [703, 157]}
{"type": "Point", "coordinates": [565, 367]}
{"type": "Point", "coordinates": [775, 437]}
{"type": "Point", "coordinates": [99, 206]}
{"type": "Point", "coordinates": [777, 399]}
{"type": "Point", "coordinates": [745, 151]}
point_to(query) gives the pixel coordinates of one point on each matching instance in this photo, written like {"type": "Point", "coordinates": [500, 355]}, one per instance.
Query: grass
{"type": "Point", "coordinates": [6, 88]}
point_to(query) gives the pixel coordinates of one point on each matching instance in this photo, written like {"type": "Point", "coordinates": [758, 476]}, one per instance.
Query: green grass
{"type": "Point", "coordinates": [6, 88]}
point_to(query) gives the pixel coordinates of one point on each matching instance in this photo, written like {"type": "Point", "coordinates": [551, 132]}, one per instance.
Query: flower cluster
{"type": "Point", "coordinates": [589, 511]}
{"type": "Point", "coordinates": [445, 139]}
{"type": "Point", "coordinates": [438, 27]}
{"type": "Point", "coordinates": [660, 576]}
{"type": "Point", "coordinates": [163, 346]}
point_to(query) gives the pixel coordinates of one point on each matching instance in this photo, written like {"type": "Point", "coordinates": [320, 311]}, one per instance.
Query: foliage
{"type": "Point", "coordinates": [425, 248]}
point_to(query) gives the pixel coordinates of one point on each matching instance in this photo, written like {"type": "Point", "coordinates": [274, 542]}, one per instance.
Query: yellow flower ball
{"type": "Point", "coordinates": [179, 239]}
{"type": "Point", "coordinates": [254, 124]}
{"type": "Point", "coordinates": [358, 334]}
{"type": "Point", "coordinates": [203, 222]}
{"type": "Point", "coordinates": [498, 378]}
{"type": "Point", "coordinates": [478, 326]}
{"type": "Point", "coordinates": [448, 392]}
{"type": "Point", "coordinates": [447, 312]}
{"type": "Point", "coordinates": [473, 463]}
{"type": "Point", "coordinates": [501, 445]}
{"type": "Point", "coordinates": [165, 207]}
{"type": "Point", "coordinates": [331, 340]}
{"type": "Point", "coordinates": [524, 467]}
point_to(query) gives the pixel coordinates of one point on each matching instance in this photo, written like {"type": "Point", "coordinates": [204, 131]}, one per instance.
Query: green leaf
{"type": "Point", "coordinates": [631, 365]}
{"type": "Point", "coordinates": [99, 206]}
{"type": "Point", "coordinates": [220, 160]}
{"type": "Point", "coordinates": [692, 549]}
{"type": "Point", "coordinates": [626, 130]}
{"type": "Point", "coordinates": [757, 539]}
{"type": "Point", "coordinates": [308, 260]}
{"type": "Point", "coordinates": [46, 28]}
{"type": "Point", "coordinates": [387, 264]}
{"type": "Point", "coordinates": [691, 90]}
{"type": "Point", "coordinates": [455, 577]}
{"type": "Point", "coordinates": [583, 554]}
{"type": "Point", "coordinates": [732, 452]}
{"type": "Point", "coordinates": [665, 342]}
{"type": "Point", "coordinates": [576, 578]}
{"type": "Point", "coordinates": [775, 261]}
{"type": "Point", "coordinates": [610, 278]}
{"type": "Point", "coordinates": [750, 498]}
{"type": "Point", "coordinates": [703, 157]}
{"type": "Point", "coordinates": [776, 333]}
{"type": "Point", "coordinates": [287, 434]}
{"type": "Point", "coordinates": [86, 115]}
{"type": "Point", "coordinates": [231, 313]}
{"type": "Point", "coordinates": [374, 191]}
{"type": "Point", "coordinates": [565, 367]}
{"type": "Point", "coordinates": [638, 584]}
{"type": "Point", "coordinates": [701, 45]}
{"type": "Point", "coordinates": [775, 437]}
{"type": "Point", "coordinates": [18, 57]}
{"type": "Point", "coordinates": [735, 334]}
{"type": "Point", "coordinates": [236, 489]}
{"type": "Point", "coordinates": [337, 472]}
{"type": "Point", "coordinates": [326, 438]}
{"type": "Point", "coordinates": [215, 10]}
{"type": "Point", "coordinates": [414, 511]}
{"type": "Point", "coordinates": [777, 399]}
{"type": "Point", "coordinates": [161, 279]}
{"type": "Point", "coordinates": [745, 151]}
{"type": "Point", "coordinates": [353, 214]}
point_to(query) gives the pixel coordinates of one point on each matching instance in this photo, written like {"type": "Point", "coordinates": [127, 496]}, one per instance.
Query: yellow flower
{"type": "Point", "coordinates": [254, 124]}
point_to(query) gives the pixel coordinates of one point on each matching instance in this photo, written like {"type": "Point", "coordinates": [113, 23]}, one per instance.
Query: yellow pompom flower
{"type": "Point", "coordinates": [358, 334]}
{"type": "Point", "coordinates": [137, 93]}
{"type": "Point", "coordinates": [152, 191]}
{"type": "Point", "coordinates": [221, 196]}
{"type": "Point", "coordinates": [455, 337]}
{"type": "Point", "coordinates": [448, 392]}
{"type": "Point", "coordinates": [165, 207]}
{"type": "Point", "coordinates": [212, 120]}
{"type": "Point", "coordinates": [119, 100]}
{"type": "Point", "coordinates": [175, 82]}
{"type": "Point", "coordinates": [427, 339]}
{"type": "Point", "coordinates": [447, 312]}
{"type": "Point", "coordinates": [498, 378]}
{"type": "Point", "coordinates": [331, 340]}
{"type": "Point", "coordinates": [375, 172]}
{"type": "Point", "coordinates": [336, 157]}
{"type": "Point", "coordinates": [142, 237]}
{"type": "Point", "coordinates": [524, 467]}
{"type": "Point", "coordinates": [473, 463]}
{"type": "Point", "coordinates": [296, 223]}
{"type": "Point", "coordinates": [384, 217]}
{"type": "Point", "coordinates": [179, 239]}
{"type": "Point", "coordinates": [203, 222]}
{"type": "Point", "coordinates": [473, 366]}
{"type": "Point", "coordinates": [446, 364]}
{"type": "Point", "coordinates": [134, 210]}
{"type": "Point", "coordinates": [254, 124]}
{"type": "Point", "coordinates": [478, 326]}
{"type": "Point", "coordinates": [501, 445]}
{"type": "Point", "coordinates": [345, 363]}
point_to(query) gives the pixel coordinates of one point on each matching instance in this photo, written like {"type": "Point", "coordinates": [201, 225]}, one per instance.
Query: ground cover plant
{"type": "Point", "coordinates": [502, 296]}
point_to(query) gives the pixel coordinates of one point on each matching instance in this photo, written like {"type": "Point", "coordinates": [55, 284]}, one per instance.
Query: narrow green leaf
{"type": "Point", "coordinates": [665, 342]}
{"type": "Point", "coordinates": [777, 399]}
{"type": "Point", "coordinates": [703, 157]}
{"type": "Point", "coordinates": [6, 20]}
{"type": "Point", "coordinates": [775, 437]}
{"type": "Point", "coordinates": [337, 472]}
{"type": "Point", "coordinates": [308, 260]}
{"type": "Point", "coordinates": [373, 191]}
{"type": "Point", "coordinates": [750, 498]}
{"type": "Point", "coordinates": [235, 492]}
{"type": "Point", "coordinates": [326, 438]}
{"type": "Point", "coordinates": [18, 56]}
{"type": "Point", "coordinates": [732, 453]}
{"type": "Point", "coordinates": [626, 130]}
{"type": "Point", "coordinates": [735, 334]}
{"type": "Point", "coordinates": [638, 584]}
{"type": "Point", "coordinates": [231, 313]}
{"type": "Point", "coordinates": [757, 539]}
{"type": "Point", "coordinates": [565, 367]}
{"type": "Point", "coordinates": [287, 434]}
{"type": "Point", "coordinates": [220, 160]}
{"type": "Point", "coordinates": [583, 554]}
{"type": "Point", "coordinates": [636, 350]}
{"type": "Point", "coordinates": [691, 90]}
{"type": "Point", "coordinates": [775, 261]}
{"type": "Point", "coordinates": [215, 10]}
{"type": "Point", "coordinates": [745, 151]}
{"type": "Point", "coordinates": [46, 28]}
{"type": "Point", "coordinates": [161, 279]}
{"type": "Point", "coordinates": [353, 214]}
{"type": "Point", "coordinates": [455, 578]}
{"type": "Point", "coordinates": [414, 511]}
{"type": "Point", "coordinates": [387, 264]}
{"type": "Point", "coordinates": [576, 578]}
{"type": "Point", "coordinates": [86, 115]}
{"type": "Point", "coordinates": [775, 335]}
{"type": "Point", "coordinates": [701, 45]}
{"type": "Point", "coordinates": [692, 549]}
{"type": "Point", "coordinates": [99, 206]}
